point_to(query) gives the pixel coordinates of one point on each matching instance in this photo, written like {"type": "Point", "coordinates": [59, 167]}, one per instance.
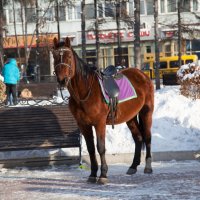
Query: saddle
{"type": "Point", "coordinates": [112, 89]}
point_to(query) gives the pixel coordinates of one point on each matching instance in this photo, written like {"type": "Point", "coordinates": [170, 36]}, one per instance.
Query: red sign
{"type": "Point", "coordinates": [113, 35]}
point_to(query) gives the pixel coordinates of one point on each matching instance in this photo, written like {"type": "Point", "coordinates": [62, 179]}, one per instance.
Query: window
{"type": "Point", "coordinates": [168, 50]}
{"type": "Point", "coordinates": [163, 65]}
{"type": "Point", "coordinates": [189, 61]}
{"type": "Point", "coordinates": [17, 16]}
{"type": "Point", "coordinates": [142, 7]}
{"type": "Point", "coordinates": [149, 5]}
{"type": "Point", "coordinates": [31, 15]}
{"type": "Point", "coordinates": [77, 12]}
{"type": "Point", "coordinates": [124, 51]}
{"type": "Point", "coordinates": [171, 6]}
{"type": "Point", "coordinates": [185, 6]}
{"type": "Point", "coordinates": [131, 8]}
{"type": "Point", "coordinates": [162, 6]}
{"type": "Point", "coordinates": [91, 57]}
{"type": "Point", "coordinates": [69, 12]}
{"type": "Point", "coordinates": [174, 64]}
{"type": "Point", "coordinates": [148, 49]}
{"type": "Point", "coordinates": [108, 56]}
{"type": "Point", "coordinates": [62, 13]}
{"type": "Point", "coordinates": [195, 5]}
{"type": "Point", "coordinates": [124, 56]}
{"type": "Point", "coordinates": [100, 10]}
{"type": "Point", "coordinates": [89, 10]}
{"type": "Point", "coordinates": [109, 10]}
{"type": "Point", "coordinates": [49, 14]}
{"type": "Point", "coordinates": [123, 11]}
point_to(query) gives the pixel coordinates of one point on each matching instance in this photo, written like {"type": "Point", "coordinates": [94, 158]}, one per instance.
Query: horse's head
{"type": "Point", "coordinates": [64, 61]}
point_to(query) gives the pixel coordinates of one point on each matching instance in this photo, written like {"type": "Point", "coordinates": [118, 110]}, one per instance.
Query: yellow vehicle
{"type": "Point", "coordinates": [167, 64]}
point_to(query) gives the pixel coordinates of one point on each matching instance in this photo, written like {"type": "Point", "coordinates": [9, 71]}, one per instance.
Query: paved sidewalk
{"type": "Point", "coordinates": [170, 180]}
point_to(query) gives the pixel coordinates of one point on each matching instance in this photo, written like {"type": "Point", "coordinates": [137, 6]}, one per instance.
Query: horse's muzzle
{"type": "Point", "coordinates": [64, 82]}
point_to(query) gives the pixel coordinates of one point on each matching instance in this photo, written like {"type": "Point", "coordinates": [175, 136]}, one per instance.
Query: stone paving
{"type": "Point", "coordinates": [170, 180]}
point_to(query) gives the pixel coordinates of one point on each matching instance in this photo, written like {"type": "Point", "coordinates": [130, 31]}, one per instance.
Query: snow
{"type": "Point", "coordinates": [188, 71]}
{"type": "Point", "coordinates": [1, 78]}
{"type": "Point", "coordinates": [176, 127]}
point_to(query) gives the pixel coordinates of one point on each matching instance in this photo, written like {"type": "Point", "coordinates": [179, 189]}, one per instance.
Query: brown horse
{"type": "Point", "coordinates": [90, 110]}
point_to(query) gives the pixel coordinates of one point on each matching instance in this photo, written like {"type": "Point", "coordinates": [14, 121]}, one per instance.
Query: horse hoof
{"type": "Point", "coordinates": [92, 180]}
{"type": "Point", "coordinates": [131, 171]}
{"type": "Point", "coordinates": [102, 181]}
{"type": "Point", "coordinates": [148, 171]}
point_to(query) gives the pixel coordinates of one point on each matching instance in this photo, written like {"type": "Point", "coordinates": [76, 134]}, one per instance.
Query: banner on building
{"type": "Point", "coordinates": [43, 40]}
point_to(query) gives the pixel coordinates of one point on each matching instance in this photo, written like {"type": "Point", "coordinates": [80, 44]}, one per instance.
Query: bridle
{"type": "Point", "coordinates": [61, 53]}
{"type": "Point", "coordinates": [68, 79]}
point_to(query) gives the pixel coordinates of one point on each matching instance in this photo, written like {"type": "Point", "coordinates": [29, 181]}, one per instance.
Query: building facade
{"type": "Point", "coordinates": [69, 24]}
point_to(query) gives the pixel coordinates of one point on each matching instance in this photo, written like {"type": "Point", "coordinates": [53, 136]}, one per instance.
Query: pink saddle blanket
{"type": "Point", "coordinates": [127, 91]}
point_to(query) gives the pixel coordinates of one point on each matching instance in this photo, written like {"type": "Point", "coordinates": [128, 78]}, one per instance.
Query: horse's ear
{"type": "Point", "coordinates": [67, 42]}
{"type": "Point", "coordinates": [55, 42]}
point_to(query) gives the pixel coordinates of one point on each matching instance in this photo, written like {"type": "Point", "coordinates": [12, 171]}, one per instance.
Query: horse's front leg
{"type": "Point", "coordinates": [100, 133]}
{"type": "Point", "coordinates": [89, 139]}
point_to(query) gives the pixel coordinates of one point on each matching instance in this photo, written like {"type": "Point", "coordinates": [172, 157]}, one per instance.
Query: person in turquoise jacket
{"type": "Point", "coordinates": [11, 76]}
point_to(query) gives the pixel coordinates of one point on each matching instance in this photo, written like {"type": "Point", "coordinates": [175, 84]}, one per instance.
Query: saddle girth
{"type": "Point", "coordinates": [112, 90]}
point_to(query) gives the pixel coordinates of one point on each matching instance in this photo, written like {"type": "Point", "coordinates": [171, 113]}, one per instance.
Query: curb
{"type": "Point", "coordinates": [157, 156]}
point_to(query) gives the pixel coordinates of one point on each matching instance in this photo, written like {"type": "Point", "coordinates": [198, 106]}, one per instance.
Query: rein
{"type": "Point", "coordinates": [88, 93]}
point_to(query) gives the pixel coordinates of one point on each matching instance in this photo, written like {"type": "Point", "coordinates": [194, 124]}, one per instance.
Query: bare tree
{"type": "Point", "coordinates": [15, 29]}
{"type": "Point", "coordinates": [97, 33]}
{"type": "Point", "coordinates": [118, 9]}
{"type": "Point", "coordinates": [83, 30]}
{"type": "Point", "coordinates": [157, 57]}
{"type": "Point", "coordinates": [1, 33]}
{"type": "Point", "coordinates": [137, 50]}
{"type": "Point", "coordinates": [179, 33]}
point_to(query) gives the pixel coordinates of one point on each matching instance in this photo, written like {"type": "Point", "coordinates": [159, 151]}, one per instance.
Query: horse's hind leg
{"type": "Point", "coordinates": [145, 117]}
{"type": "Point", "coordinates": [137, 136]}
{"type": "Point", "coordinates": [89, 138]}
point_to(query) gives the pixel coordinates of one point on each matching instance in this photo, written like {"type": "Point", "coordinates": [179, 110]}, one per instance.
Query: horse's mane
{"type": "Point", "coordinates": [82, 67]}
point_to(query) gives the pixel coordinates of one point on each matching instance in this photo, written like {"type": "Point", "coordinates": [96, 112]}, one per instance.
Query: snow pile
{"type": "Point", "coordinates": [175, 127]}
{"type": "Point", "coordinates": [189, 72]}
{"type": "Point", "coordinates": [189, 79]}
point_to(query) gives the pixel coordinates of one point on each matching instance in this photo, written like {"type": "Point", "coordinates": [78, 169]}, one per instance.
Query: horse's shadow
{"type": "Point", "coordinates": [27, 134]}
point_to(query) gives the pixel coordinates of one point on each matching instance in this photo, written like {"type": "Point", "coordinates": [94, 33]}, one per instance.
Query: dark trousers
{"type": "Point", "coordinates": [11, 89]}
